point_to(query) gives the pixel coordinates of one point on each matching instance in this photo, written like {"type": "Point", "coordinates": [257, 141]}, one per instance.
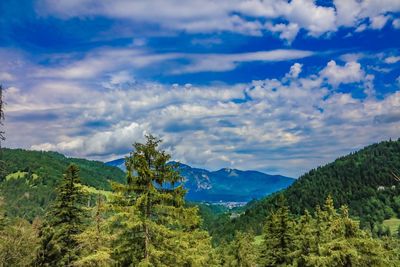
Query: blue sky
{"type": "Point", "coordinates": [275, 86]}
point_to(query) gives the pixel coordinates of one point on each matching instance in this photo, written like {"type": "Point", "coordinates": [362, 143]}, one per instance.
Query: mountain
{"type": "Point", "coordinates": [29, 179]}
{"type": "Point", "coordinates": [367, 181]}
{"type": "Point", "coordinates": [225, 185]}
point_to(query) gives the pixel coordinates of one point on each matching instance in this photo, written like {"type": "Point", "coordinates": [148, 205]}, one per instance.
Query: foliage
{"type": "Point", "coordinates": [155, 228]}
{"type": "Point", "coordinates": [38, 175]}
{"type": "Point", "coordinates": [95, 240]}
{"type": "Point", "coordinates": [18, 240]}
{"type": "Point", "coordinates": [327, 238]}
{"type": "Point", "coordinates": [65, 221]}
{"type": "Point", "coordinates": [364, 181]}
{"type": "Point", "coordinates": [240, 252]}
{"type": "Point", "coordinates": [278, 237]}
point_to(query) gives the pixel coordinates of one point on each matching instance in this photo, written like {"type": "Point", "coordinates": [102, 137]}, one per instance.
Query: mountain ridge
{"type": "Point", "coordinates": [225, 184]}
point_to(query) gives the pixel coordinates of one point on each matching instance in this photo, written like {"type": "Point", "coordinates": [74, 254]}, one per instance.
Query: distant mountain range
{"type": "Point", "coordinates": [225, 185]}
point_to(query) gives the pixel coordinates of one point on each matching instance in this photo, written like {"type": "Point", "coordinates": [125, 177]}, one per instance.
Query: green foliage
{"type": "Point", "coordinates": [327, 238]}
{"type": "Point", "coordinates": [95, 240]}
{"type": "Point", "coordinates": [154, 228]}
{"type": "Point", "coordinates": [146, 222]}
{"type": "Point", "coordinates": [65, 221]}
{"type": "Point", "coordinates": [39, 173]}
{"type": "Point", "coordinates": [18, 243]}
{"type": "Point", "coordinates": [240, 252]}
{"type": "Point", "coordinates": [364, 181]}
{"type": "Point", "coordinates": [18, 240]}
{"type": "Point", "coordinates": [278, 237]}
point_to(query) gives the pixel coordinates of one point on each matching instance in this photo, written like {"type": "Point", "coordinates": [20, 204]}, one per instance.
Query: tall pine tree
{"type": "Point", "coordinates": [278, 237]}
{"type": "Point", "coordinates": [65, 220]}
{"type": "Point", "coordinates": [156, 229]}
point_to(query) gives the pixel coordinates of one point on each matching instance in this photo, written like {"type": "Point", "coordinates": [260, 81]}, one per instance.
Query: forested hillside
{"type": "Point", "coordinates": [365, 181]}
{"type": "Point", "coordinates": [144, 219]}
{"type": "Point", "coordinates": [30, 177]}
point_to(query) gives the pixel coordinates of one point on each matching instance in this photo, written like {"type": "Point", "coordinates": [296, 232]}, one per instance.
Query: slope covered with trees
{"type": "Point", "coordinates": [146, 222]}
{"type": "Point", "coordinates": [366, 181]}
{"type": "Point", "coordinates": [30, 177]}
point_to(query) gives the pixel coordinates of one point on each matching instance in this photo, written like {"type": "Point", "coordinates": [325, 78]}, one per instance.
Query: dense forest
{"type": "Point", "coordinates": [30, 177]}
{"type": "Point", "coordinates": [95, 215]}
{"type": "Point", "coordinates": [366, 181]}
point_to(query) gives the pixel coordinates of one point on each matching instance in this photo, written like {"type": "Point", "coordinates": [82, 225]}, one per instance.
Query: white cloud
{"type": "Point", "coordinates": [286, 32]}
{"type": "Point", "coordinates": [244, 17]}
{"type": "Point", "coordinates": [392, 59]}
{"type": "Point", "coordinates": [396, 23]}
{"type": "Point", "coordinates": [226, 62]}
{"type": "Point", "coordinates": [361, 28]}
{"type": "Point", "coordinates": [351, 12]}
{"type": "Point", "coordinates": [295, 70]}
{"type": "Point", "coordinates": [280, 124]}
{"type": "Point", "coordinates": [316, 19]}
{"type": "Point", "coordinates": [378, 22]}
{"type": "Point", "coordinates": [116, 62]}
{"type": "Point", "coordinates": [5, 77]}
{"type": "Point", "coordinates": [349, 73]}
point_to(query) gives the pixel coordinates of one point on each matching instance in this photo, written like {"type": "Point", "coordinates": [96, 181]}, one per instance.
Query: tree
{"type": "Point", "coordinates": [65, 220]}
{"type": "Point", "coordinates": [18, 243]}
{"type": "Point", "coordinates": [2, 135]}
{"type": "Point", "coordinates": [95, 241]}
{"type": "Point", "coordinates": [241, 252]}
{"type": "Point", "coordinates": [278, 237]}
{"type": "Point", "coordinates": [155, 228]}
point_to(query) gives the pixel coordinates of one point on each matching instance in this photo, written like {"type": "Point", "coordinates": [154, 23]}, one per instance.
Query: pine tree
{"type": "Point", "coordinates": [95, 241]}
{"type": "Point", "coordinates": [240, 252]}
{"type": "Point", "coordinates": [65, 220]}
{"type": "Point", "coordinates": [305, 240]}
{"type": "Point", "coordinates": [342, 243]}
{"type": "Point", "coordinates": [156, 229]}
{"type": "Point", "coordinates": [278, 237]}
{"type": "Point", "coordinates": [2, 135]}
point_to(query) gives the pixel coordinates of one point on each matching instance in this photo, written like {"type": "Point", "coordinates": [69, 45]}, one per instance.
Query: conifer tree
{"type": "Point", "coordinates": [2, 135]}
{"type": "Point", "coordinates": [305, 240]}
{"type": "Point", "coordinates": [155, 228]}
{"type": "Point", "coordinates": [65, 220]}
{"type": "Point", "coordinates": [278, 237]}
{"type": "Point", "coordinates": [95, 241]}
{"type": "Point", "coordinates": [241, 252]}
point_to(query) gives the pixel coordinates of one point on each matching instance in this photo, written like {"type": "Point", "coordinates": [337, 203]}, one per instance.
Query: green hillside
{"type": "Point", "coordinates": [30, 177]}
{"type": "Point", "coordinates": [364, 180]}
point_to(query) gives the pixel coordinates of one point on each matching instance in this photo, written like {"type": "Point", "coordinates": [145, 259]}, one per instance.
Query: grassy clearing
{"type": "Point", "coordinates": [92, 190]}
{"type": "Point", "coordinates": [20, 175]}
{"type": "Point", "coordinates": [393, 224]}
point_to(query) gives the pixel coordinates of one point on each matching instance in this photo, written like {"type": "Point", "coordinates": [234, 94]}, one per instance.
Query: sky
{"type": "Point", "coordinates": [275, 86]}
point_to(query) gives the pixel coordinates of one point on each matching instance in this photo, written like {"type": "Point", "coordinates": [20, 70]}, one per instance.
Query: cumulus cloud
{"type": "Point", "coordinates": [295, 70]}
{"type": "Point", "coordinates": [351, 72]}
{"type": "Point", "coordinates": [280, 124]}
{"type": "Point", "coordinates": [379, 22]}
{"type": "Point", "coordinates": [351, 12]}
{"type": "Point", "coordinates": [286, 32]}
{"type": "Point", "coordinates": [244, 17]}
